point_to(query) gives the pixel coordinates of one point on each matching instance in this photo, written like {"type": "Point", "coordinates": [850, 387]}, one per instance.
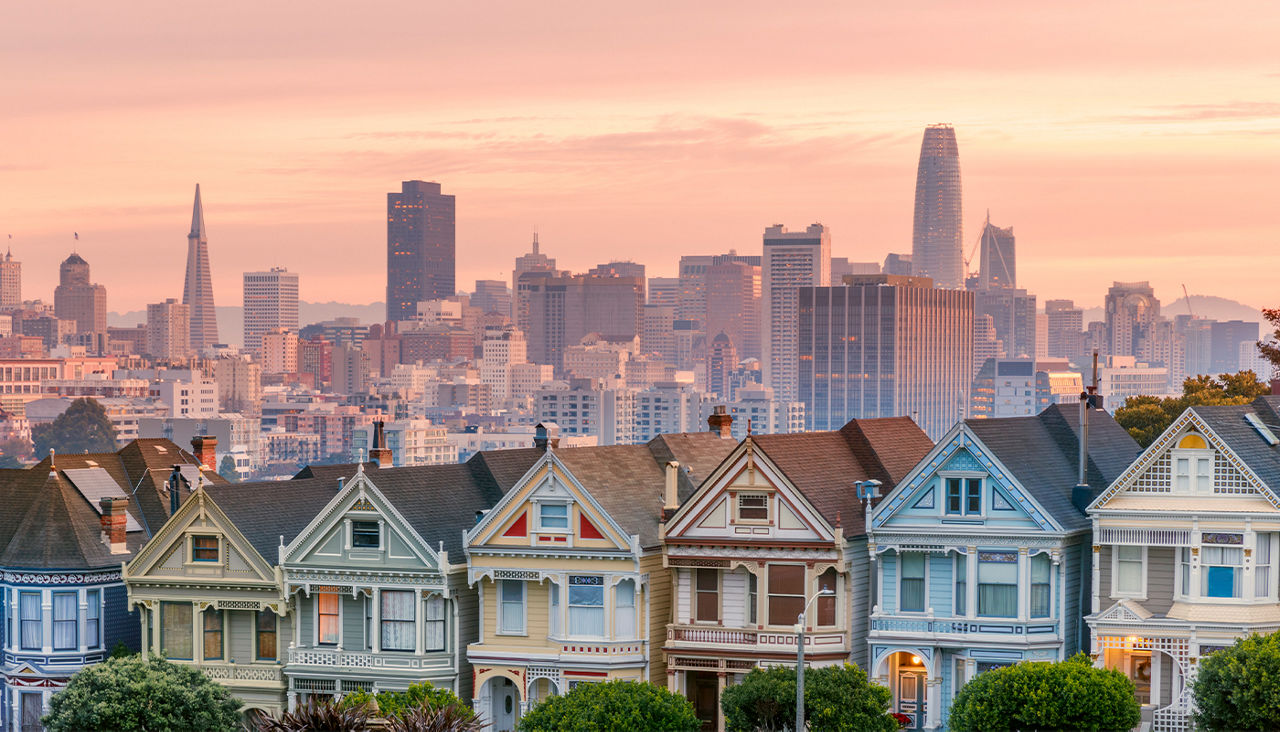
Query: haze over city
{"type": "Point", "coordinates": [1133, 142]}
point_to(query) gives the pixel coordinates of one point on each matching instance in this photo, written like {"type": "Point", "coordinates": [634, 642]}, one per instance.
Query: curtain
{"type": "Point", "coordinates": [64, 621]}
{"type": "Point", "coordinates": [434, 619]}
{"type": "Point", "coordinates": [93, 613]}
{"type": "Point", "coordinates": [397, 620]}
{"type": "Point", "coordinates": [1041, 585]}
{"type": "Point", "coordinates": [512, 620]}
{"type": "Point", "coordinates": [624, 610]}
{"type": "Point", "coordinates": [962, 584]}
{"type": "Point", "coordinates": [32, 633]}
{"type": "Point", "coordinates": [555, 610]}
{"type": "Point", "coordinates": [912, 581]}
{"type": "Point", "coordinates": [1220, 569]}
{"type": "Point", "coordinates": [998, 585]}
{"type": "Point", "coordinates": [175, 629]}
{"type": "Point", "coordinates": [327, 613]}
{"type": "Point", "coordinates": [586, 611]}
{"type": "Point", "coordinates": [212, 634]}
{"type": "Point", "coordinates": [1262, 567]}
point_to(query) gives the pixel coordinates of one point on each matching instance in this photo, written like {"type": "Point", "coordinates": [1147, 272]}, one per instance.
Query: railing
{"type": "Point", "coordinates": [602, 647]}
{"type": "Point", "coordinates": [334, 658]}
{"type": "Point", "coordinates": [242, 672]}
{"type": "Point", "coordinates": [696, 634]}
{"type": "Point", "coordinates": [964, 626]}
{"type": "Point", "coordinates": [741, 637]}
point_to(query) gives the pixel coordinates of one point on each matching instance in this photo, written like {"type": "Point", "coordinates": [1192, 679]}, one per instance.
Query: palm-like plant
{"type": "Point", "coordinates": [317, 714]}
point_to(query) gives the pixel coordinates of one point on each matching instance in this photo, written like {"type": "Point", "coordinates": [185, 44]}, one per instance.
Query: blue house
{"type": "Point", "coordinates": [981, 555]}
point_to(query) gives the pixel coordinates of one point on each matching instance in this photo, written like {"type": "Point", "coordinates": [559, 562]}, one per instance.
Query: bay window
{"type": "Point", "coordinates": [912, 583]}
{"type": "Point", "coordinates": [65, 622]}
{"type": "Point", "coordinates": [1262, 567]}
{"type": "Point", "coordinates": [962, 584]}
{"type": "Point", "coordinates": [1128, 571]}
{"type": "Point", "coordinates": [511, 607]}
{"type": "Point", "coordinates": [586, 606]}
{"type": "Point", "coordinates": [1184, 571]}
{"type": "Point", "coordinates": [1220, 571]}
{"type": "Point", "coordinates": [397, 619]}
{"type": "Point", "coordinates": [753, 597]}
{"type": "Point", "coordinates": [175, 630]}
{"type": "Point", "coordinates": [827, 603]}
{"type": "Point", "coordinates": [1041, 585]}
{"type": "Point", "coordinates": [433, 622]}
{"type": "Point", "coordinates": [31, 617]}
{"type": "Point", "coordinates": [327, 618]}
{"type": "Point", "coordinates": [998, 584]}
{"type": "Point", "coordinates": [93, 619]}
{"type": "Point", "coordinates": [212, 634]}
{"type": "Point", "coordinates": [707, 595]}
{"type": "Point", "coordinates": [624, 610]}
{"type": "Point", "coordinates": [555, 610]}
{"type": "Point", "coordinates": [786, 593]}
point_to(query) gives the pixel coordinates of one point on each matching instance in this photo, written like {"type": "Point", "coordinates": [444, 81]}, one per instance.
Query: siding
{"type": "Point", "coordinates": [1077, 563]}
{"type": "Point", "coordinates": [941, 587]}
{"type": "Point", "coordinates": [859, 592]}
{"type": "Point", "coordinates": [684, 590]}
{"type": "Point", "coordinates": [353, 622]}
{"type": "Point", "coordinates": [240, 636]}
{"type": "Point", "coordinates": [1161, 570]}
{"type": "Point", "coordinates": [889, 590]}
{"type": "Point", "coordinates": [733, 602]}
{"type": "Point", "coordinates": [122, 625]}
{"type": "Point", "coordinates": [305, 614]}
{"type": "Point", "coordinates": [468, 630]}
{"type": "Point", "coordinates": [1104, 577]}
{"type": "Point", "coordinates": [657, 595]}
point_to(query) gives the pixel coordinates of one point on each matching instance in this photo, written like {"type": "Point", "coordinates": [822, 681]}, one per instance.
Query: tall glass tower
{"type": "Point", "coordinates": [197, 290]}
{"type": "Point", "coordinates": [936, 238]}
{"type": "Point", "coordinates": [420, 247]}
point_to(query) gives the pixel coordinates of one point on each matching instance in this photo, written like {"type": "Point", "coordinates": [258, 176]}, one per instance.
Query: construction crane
{"type": "Point", "coordinates": [1187, 297]}
{"type": "Point", "coordinates": [968, 272]}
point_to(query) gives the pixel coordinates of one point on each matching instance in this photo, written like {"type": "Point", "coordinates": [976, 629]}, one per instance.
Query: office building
{"type": "Point", "coordinates": [885, 346]}
{"type": "Point", "coordinates": [666, 408]}
{"type": "Point", "coordinates": [997, 261]}
{"type": "Point", "coordinates": [168, 331]}
{"type": "Point", "coordinates": [841, 266]}
{"type": "Point", "coordinates": [492, 296]}
{"type": "Point", "coordinates": [10, 281]}
{"type": "Point", "coordinates": [791, 260]}
{"type": "Point", "coordinates": [77, 299]}
{"type": "Point", "coordinates": [501, 349]}
{"type": "Point", "coordinates": [937, 235]}
{"type": "Point", "coordinates": [692, 304]}
{"type": "Point", "coordinates": [239, 383]}
{"type": "Point", "coordinates": [197, 289]}
{"type": "Point", "coordinates": [1131, 308]}
{"type": "Point", "coordinates": [1065, 326]}
{"type": "Point", "coordinates": [1013, 313]}
{"type": "Point", "coordinates": [733, 305]}
{"type": "Point", "coordinates": [664, 291]}
{"type": "Point", "coordinates": [270, 301]}
{"type": "Point", "coordinates": [1121, 377]}
{"type": "Point", "coordinates": [896, 264]}
{"type": "Point", "coordinates": [753, 408]}
{"type": "Point", "coordinates": [1227, 336]}
{"type": "Point", "coordinates": [279, 351]}
{"type": "Point", "coordinates": [1022, 387]}
{"type": "Point", "coordinates": [586, 407]}
{"type": "Point", "coordinates": [722, 361]}
{"type": "Point", "coordinates": [420, 248]}
{"type": "Point", "coordinates": [562, 310]}
{"type": "Point", "coordinates": [533, 261]}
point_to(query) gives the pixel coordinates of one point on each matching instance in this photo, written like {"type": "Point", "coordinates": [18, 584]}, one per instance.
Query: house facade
{"type": "Point", "coordinates": [981, 557]}
{"type": "Point", "coordinates": [778, 522]}
{"type": "Point", "coordinates": [1184, 552]}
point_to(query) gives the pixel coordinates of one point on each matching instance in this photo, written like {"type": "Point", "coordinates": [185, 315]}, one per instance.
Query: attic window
{"type": "Point", "coordinates": [204, 548]}
{"type": "Point", "coordinates": [365, 535]}
{"type": "Point", "coordinates": [753, 507]}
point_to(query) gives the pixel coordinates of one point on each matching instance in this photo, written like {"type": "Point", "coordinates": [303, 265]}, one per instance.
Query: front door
{"type": "Point", "coordinates": [703, 692]}
{"type": "Point", "coordinates": [911, 697]}
{"type": "Point", "coordinates": [504, 700]}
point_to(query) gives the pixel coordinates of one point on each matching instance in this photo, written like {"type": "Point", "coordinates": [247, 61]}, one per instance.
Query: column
{"type": "Point", "coordinates": [155, 627]}
{"type": "Point", "coordinates": [671, 680]}
{"type": "Point", "coordinates": [145, 640]}
{"type": "Point", "coordinates": [375, 630]}
{"type": "Point", "coordinates": [1157, 663]}
{"type": "Point", "coordinates": [720, 684]}
{"type": "Point", "coordinates": [933, 698]}
{"type": "Point", "coordinates": [46, 615]}
{"type": "Point", "coordinates": [971, 581]}
{"type": "Point", "coordinates": [1024, 583]}
{"type": "Point", "coordinates": [82, 617]}
{"type": "Point", "coordinates": [1097, 576]}
{"type": "Point", "coordinates": [197, 633]}
{"type": "Point", "coordinates": [419, 607]}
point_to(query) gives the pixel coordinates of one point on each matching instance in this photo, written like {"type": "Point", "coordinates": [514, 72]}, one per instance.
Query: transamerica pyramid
{"type": "Point", "coordinates": [197, 292]}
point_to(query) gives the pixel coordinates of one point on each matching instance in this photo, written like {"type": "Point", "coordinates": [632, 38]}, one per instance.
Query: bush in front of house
{"type": "Point", "coordinates": [1068, 695]}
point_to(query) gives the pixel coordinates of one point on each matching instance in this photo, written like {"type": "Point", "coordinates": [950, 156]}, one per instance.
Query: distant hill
{"type": "Point", "coordinates": [1210, 307]}
{"type": "Point", "coordinates": [231, 318]}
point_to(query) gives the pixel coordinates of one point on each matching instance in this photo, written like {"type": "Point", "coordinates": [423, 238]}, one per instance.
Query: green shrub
{"type": "Point", "coordinates": [631, 706]}
{"type": "Point", "coordinates": [836, 699]}
{"type": "Point", "coordinates": [1239, 687]}
{"type": "Point", "coordinates": [133, 693]}
{"type": "Point", "coordinates": [1070, 695]}
{"type": "Point", "coordinates": [397, 703]}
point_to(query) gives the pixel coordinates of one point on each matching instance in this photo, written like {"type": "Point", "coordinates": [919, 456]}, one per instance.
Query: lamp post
{"type": "Point", "coordinates": [824, 592]}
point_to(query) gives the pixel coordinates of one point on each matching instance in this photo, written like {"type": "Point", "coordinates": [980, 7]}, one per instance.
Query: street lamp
{"type": "Point", "coordinates": [824, 592]}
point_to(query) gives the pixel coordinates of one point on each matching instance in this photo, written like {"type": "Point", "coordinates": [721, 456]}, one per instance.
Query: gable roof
{"type": "Point", "coordinates": [824, 465]}
{"type": "Point", "coordinates": [1248, 444]}
{"type": "Point", "coordinates": [1042, 453]}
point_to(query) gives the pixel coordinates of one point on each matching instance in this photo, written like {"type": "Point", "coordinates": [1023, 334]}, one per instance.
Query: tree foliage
{"type": "Point", "coordinates": [620, 705]}
{"type": "Point", "coordinates": [133, 693]}
{"type": "Point", "coordinates": [1271, 349]}
{"type": "Point", "coordinates": [227, 469]}
{"type": "Point", "coordinates": [1069, 695]}
{"type": "Point", "coordinates": [1145, 417]}
{"type": "Point", "coordinates": [1239, 687]}
{"type": "Point", "coordinates": [84, 427]}
{"type": "Point", "coordinates": [836, 698]}
{"type": "Point", "coordinates": [400, 703]}
{"type": "Point", "coordinates": [317, 714]}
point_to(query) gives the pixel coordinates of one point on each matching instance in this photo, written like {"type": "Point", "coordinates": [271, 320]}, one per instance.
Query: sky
{"type": "Point", "coordinates": [1122, 141]}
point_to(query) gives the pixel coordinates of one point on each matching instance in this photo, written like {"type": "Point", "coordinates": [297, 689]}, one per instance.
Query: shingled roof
{"type": "Point", "coordinates": [1230, 423]}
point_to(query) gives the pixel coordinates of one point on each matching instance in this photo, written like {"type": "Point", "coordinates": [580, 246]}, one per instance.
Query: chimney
{"type": "Point", "coordinates": [205, 448]}
{"type": "Point", "coordinates": [380, 453]}
{"type": "Point", "coordinates": [114, 521]}
{"type": "Point", "coordinates": [1082, 493]}
{"type": "Point", "coordinates": [546, 435]}
{"type": "Point", "coordinates": [721, 422]}
{"type": "Point", "coordinates": [671, 497]}
{"type": "Point", "coordinates": [174, 483]}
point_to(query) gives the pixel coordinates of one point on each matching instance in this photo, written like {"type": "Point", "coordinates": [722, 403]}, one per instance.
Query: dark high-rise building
{"type": "Point", "coordinates": [1227, 337]}
{"type": "Point", "coordinates": [997, 264]}
{"type": "Point", "coordinates": [885, 346]}
{"type": "Point", "coordinates": [76, 298]}
{"type": "Point", "coordinates": [937, 235]}
{"type": "Point", "coordinates": [420, 248]}
{"type": "Point", "coordinates": [1013, 313]}
{"type": "Point", "coordinates": [197, 289]}
{"type": "Point", "coordinates": [530, 264]}
{"type": "Point", "coordinates": [563, 309]}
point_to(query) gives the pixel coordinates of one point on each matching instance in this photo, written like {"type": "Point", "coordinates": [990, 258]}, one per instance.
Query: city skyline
{"type": "Point", "coordinates": [1160, 151]}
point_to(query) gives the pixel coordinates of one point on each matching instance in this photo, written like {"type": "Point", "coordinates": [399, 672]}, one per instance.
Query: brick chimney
{"type": "Point", "coordinates": [205, 448]}
{"type": "Point", "coordinates": [114, 519]}
{"type": "Point", "coordinates": [721, 422]}
{"type": "Point", "coordinates": [546, 435]}
{"type": "Point", "coordinates": [379, 452]}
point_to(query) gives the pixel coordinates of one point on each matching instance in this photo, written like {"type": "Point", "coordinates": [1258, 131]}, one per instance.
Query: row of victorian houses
{"type": "Point", "coordinates": [684, 561]}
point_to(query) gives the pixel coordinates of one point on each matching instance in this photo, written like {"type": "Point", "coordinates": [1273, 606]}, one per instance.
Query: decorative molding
{"type": "Point", "coordinates": [50, 578]}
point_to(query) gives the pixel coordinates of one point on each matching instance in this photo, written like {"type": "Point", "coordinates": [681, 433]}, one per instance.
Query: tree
{"type": "Point", "coordinates": [390, 704]}
{"type": "Point", "coordinates": [227, 469]}
{"type": "Point", "coordinates": [1068, 695]}
{"type": "Point", "coordinates": [620, 705]}
{"type": "Point", "coordinates": [1146, 417]}
{"type": "Point", "coordinates": [1271, 349]}
{"type": "Point", "coordinates": [13, 451]}
{"type": "Point", "coordinates": [84, 427]}
{"type": "Point", "coordinates": [133, 693]}
{"type": "Point", "coordinates": [836, 698]}
{"type": "Point", "coordinates": [1239, 687]}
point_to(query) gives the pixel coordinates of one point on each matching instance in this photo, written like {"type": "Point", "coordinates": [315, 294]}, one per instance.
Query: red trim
{"type": "Point", "coordinates": [519, 527]}
{"type": "Point", "coordinates": [587, 529]}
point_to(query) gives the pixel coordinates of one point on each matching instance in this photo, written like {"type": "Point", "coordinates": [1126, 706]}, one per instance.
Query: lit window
{"type": "Point", "coordinates": [204, 548]}
{"type": "Point", "coordinates": [327, 616]}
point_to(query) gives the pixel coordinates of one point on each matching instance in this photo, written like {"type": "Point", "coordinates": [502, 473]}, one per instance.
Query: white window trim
{"type": "Point", "coordinates": [351, 534]}
{"type": "Point", "coordinates": [964, 477]}
{"type": "Point", "coordinates": [924, 610]}
{"type": "Point", "coordinates": [190, 561]}
{"type": "Point", "coordinates": [524, 609]}
{"type": "Point", "coordinates": [1141, 594]}
{"type": "Point", "coordinates": [1192, 455]}
{"type": "Point", "coordinates": [315, 624]}
{"type": "Point", "coordinates": [719, 597]}
{"type": "Point", "coordinates": [568, 512]}
{"type": "Point", "coordinates": [737, 507]}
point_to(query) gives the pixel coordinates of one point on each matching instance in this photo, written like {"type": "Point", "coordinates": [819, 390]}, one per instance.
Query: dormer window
{"type": "Point", "coordinates": [553, 517]}
{"type": "Point", "coordinates": [753, 507]}
{"type": "Point", "coordinates": [964, 496]}
{"type": "Point", "coordinates": [204, 548]}
{"type": "Point", "coordinates": [365, 535]}
{"type": "Point", "coordinates": [1192, 465]}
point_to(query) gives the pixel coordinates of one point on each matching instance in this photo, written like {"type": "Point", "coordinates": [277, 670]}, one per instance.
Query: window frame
{"type": "Point", "coordinates": [827, 605]}
{"type": "Point", "coordinates": [753, 598]}
{"type": "Point", "coordinates": [1032, 584]}
{"type": "Point", "coordinates": [740, 496]}
{"type": "Point", "coordinates": [969, 487]}
{"type": "Point", "coordinates": [319, 616]}
{"type": "Point", "coordinates": [1237, 571]}
{"type": "Point", "coordinates": [432, 602]}
{"type": "Point", "coordinates": [377, 528]}
{"type": "Point", "coordinates": [384, 622]}
{"type": "Point", "coordinates": [772, 593]}
{"type": "Point", "coordinates": [1016, 584]}
{"type": "Point", "coordinates": [596, 582]}
{"type": "Point", "coordinates": [219, 631]}
{"type": "Point", "coordinates": [502, 629]}
{"type": "Point", "coordinates": [960, 585]}
{"type": "Point", "coordinates": [543, 527]}
{"type": "Point", "coordinates": [923, 579]}
{"type": "Point", "coordinates": [38, 620]}
{"type": "Point", "coordinates": [1263, 572]}
{"type": "Point", "coordinates": [275, 636]}
{"type": "Point", "coordinates": [699, 591]}
{"type": "Point", "coordinates": [620, 629]}
{"type": "Point", "coordinates": [189, 631]}
{"type": "Point", "coordinates": [1116, 592]}
{"type": "Point", "coordinates": [73, 621]}
{"type": "Point", "coordinates": [93, 618]}
{"type": "Point", "coordinates": [217, 549]}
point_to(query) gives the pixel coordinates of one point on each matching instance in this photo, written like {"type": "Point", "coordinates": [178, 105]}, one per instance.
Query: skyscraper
{"type": "Point", "coordinates": [733, 306]}
{"type": "Point", "coordinates": [197, 291]}
{"type": "Point", "coordinates": [937, 236]}
{"type": "Point", "coordinates": [722, 359]}
{"type": "Point", "coordinates": [533, 261]}
{"type": "Point", "coordinates": [791, 260]}
{"type": "Point", "coordinates": [420, 248]}
{"type": "Point", "coordinates": [563, 309]}
{"type": "Point", "coordinates": [168, 331]}
{"type": "Point", "coordinates": [1066, 330]}
{"type": "Point", "coordinates": [270, 301]}
{"type": "Point", "coordinates": [997, 265]}
{"type": "Point", "coordinates": [10, 281]}
{"type": "Point", "coordinates": [76, 298]}
{"type": "Point", "coordinates": [1131, 308]}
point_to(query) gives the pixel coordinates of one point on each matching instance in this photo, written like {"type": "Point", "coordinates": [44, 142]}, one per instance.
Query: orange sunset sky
{"type": "Point", "coordinates": [1122, 141]}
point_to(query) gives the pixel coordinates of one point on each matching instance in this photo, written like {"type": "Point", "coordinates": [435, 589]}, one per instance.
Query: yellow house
{"type": "Point", "coordinates": [568, 567]}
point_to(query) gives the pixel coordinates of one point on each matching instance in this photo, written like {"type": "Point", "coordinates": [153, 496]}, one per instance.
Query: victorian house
{"type": "Point", "coordinates": [1184, 552]}
{"type": "Point", "coordinates": [982, 553]}
{"type": "Point", "coordinates": [779, 522]}
{"type": "Point", "coordinates": [568, 566]}
{"type": "Point", "coordinates": [67, 525]}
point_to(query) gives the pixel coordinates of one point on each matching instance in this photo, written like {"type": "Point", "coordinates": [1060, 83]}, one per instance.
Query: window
{"type": "Point", "coordinates": [786, 593]}
{"type": "Point", "coordinates": [92, 619]}
{"type": "Point", "coordinates": [973, 495]}
{"type": "Point", "coordinates": [265, 625]}
{"type": "Point", "coordinates": [998, 584]}
{"type": "Point", "coordinates": [212, 634]}
{"type": "Point", "coordinates": [65, 622]}
{"type": "Point", "coordinates": [964, 496]}
{"type": "Point", "coordinates": [1220, 571]}
{"type": "Point", "coordinates": [365, 535]}
{"type": "Point", "coordinates": [962, 584]}
{"type": "Point", "coordinates": [512, 606]}
{"type": "Point", "coordinates": [554, 516]}
{"type": "Point", "coordinates": [32, 631]}
{"type": "Point", "coordinates": [953, 495]}
{"type": "Point", "coordinates": [624, 610]}
{"type": "Point", "coordinates": [1184, 571]}
{"type": "Point", "coordinates": [555, 610]}
{"type": "Point", "coordinates": [912, 581]}
{"type": "Point", "coordinates": [827, 603]}
{"type": "Point", "coordinates": [1129, 572]}
{"type": "Point", "coordinates": [753, 507]}
{"type": "Point", "coordinates": [204, 548]}
{"type": "Point", "coordinates": [433, 624]}
{"type": "Point", "coordinates": [707, 589]}
{"type": "Point", "coordinates": [1262, 567]}
{"type": "Point", "coordinates": [586, 606]}
{"type": "Point", "coordinates": [1041, 585]}
{"type": "Point", "coordinates": [753, 598]}
{"type": "Point", "coordinates": [327, 618]}
{"type": "Point", "coordinates": [397, 620]}
{"type": "Point", "coordinates": [175, 630]}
